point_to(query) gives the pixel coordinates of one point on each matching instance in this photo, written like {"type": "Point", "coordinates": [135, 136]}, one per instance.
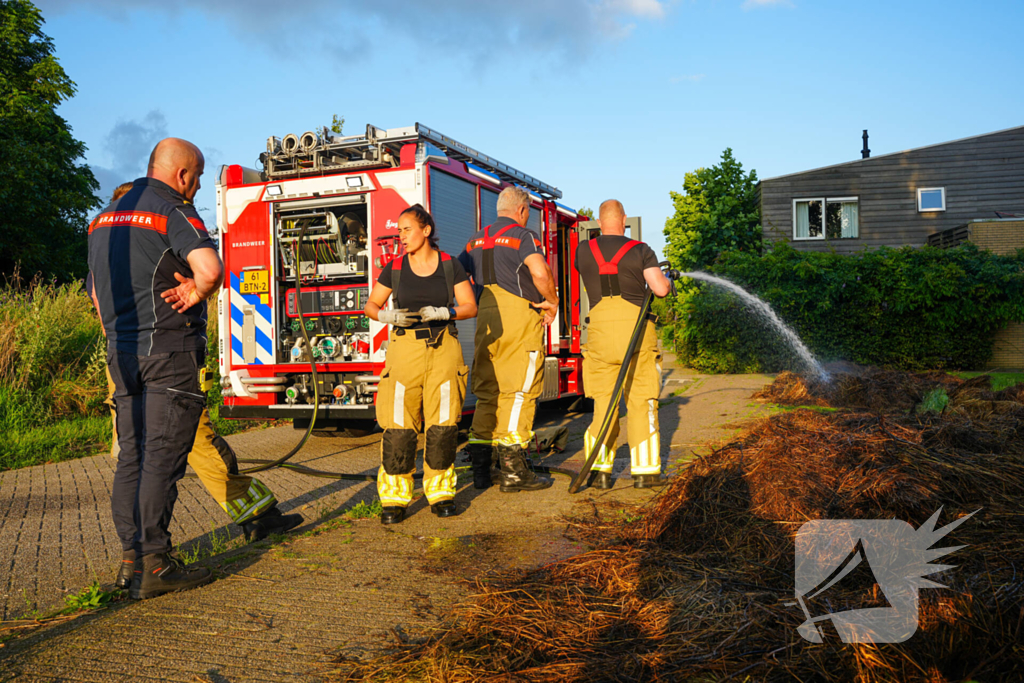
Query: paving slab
{"type": "Point", "coordinates": [283, 611]}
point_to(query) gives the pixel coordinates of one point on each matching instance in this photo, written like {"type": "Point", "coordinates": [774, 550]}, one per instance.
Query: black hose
{"type": "Point", "coordinates": [620, 381]}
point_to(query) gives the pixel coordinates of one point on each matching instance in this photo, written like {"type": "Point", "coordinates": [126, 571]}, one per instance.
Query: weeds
{"type": "Point", "coordinates": [89, 598]}
{"type": "Point", "coordinates": [363, 510]}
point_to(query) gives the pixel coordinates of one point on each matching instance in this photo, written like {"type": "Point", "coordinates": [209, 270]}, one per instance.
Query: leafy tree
{"type": "Point", "coordinates": [585, 211]}
{"type": "Point", "coordinates": [337, 123]}
{"type": "Point", "coordinates": [718, 212]}
{"type": "Point", "coordinates": [45, 194]}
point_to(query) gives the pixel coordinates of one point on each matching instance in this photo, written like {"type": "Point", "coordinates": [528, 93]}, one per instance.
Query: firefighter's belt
{"type": "Point", "coordinates": [431, 334]}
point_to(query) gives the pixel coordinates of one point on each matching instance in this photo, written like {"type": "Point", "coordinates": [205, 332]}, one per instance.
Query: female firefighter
{"type": "Point", "coordinates": [424, 378]}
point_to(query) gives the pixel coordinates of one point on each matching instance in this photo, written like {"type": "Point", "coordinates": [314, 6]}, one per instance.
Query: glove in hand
{"type": "Point", "coordinates": [429, 313]}
{"type": "Point", "coordinates": [399, 318]}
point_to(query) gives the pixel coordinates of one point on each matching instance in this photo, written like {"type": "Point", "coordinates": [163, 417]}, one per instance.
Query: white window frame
{"type": "Point", "coordinates": [839, 200]}
{"type": "Point", "coordinates": [920, 190]}
{"type": "Point", "coordinates": [823, 219]}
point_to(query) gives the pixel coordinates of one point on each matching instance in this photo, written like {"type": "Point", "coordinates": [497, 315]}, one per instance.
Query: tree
{"type": "Point", "coordinates": [584, 211]}
{"type": "Point", "coordinates": [45, 193]}
{"type": "Point", "coordinates": [337, 123]}
{"type": "Point", "coordinates": [718, 212]}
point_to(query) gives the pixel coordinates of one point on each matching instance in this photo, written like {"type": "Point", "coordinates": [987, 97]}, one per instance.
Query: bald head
{"type": "Point", "coordinates": [178, 163]}
{"type": "Point", "coordinates": [612, 217]}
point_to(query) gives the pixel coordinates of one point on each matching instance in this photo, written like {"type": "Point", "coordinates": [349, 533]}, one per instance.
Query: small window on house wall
{"type": "Point", "coordinates": [931, 199]}
{"type": "Point", "coordinates": [832, 218]}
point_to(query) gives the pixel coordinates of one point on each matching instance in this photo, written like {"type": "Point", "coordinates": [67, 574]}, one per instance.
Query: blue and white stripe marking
{"type": "Point", "coordinates": [264, 331]}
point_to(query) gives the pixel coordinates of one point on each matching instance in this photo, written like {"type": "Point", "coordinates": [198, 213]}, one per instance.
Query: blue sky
{"type": "Point", "coordinates": [600, 98]}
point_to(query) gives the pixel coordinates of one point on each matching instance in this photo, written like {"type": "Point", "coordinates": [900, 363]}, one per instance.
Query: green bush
{"type": "Point", "coordinates": [905, 308]}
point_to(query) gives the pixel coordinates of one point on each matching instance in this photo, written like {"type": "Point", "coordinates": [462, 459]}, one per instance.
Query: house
{"type": "Point", "coordinates": [897, 199]}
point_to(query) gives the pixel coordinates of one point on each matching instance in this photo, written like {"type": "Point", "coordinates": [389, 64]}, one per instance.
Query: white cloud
{"type": "Point", "coordinates": [688, 78]}
{"type": "Point", "coordinates": [757, 4]}
{"type": "Point", "coordinates": [563, 28]}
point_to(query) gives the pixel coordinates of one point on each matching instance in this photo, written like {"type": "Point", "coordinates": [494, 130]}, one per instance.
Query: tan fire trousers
{"type": "Point", "coordinates": [214, 462]}
{"type": "Point", "coordinates": [421, 390]}
{"type": "Point", "coordinates": [611, 325]}
{"type": "Point", "coordinates": [507, 368]}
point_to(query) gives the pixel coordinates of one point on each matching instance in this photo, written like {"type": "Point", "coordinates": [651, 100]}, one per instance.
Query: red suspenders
{"type": "Point", "coordinates": [609, 270]}
{"type": "Point", "coordinates": [449, 277]}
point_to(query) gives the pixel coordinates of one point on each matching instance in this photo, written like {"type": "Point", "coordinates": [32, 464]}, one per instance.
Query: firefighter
{"type": "Point", "coordinates": [153, 267]}
{"type": "Point", "coordinates": [616, 272]}
{"type": "Point", "coordinates": [424, 379]}
{"type": "Point", "coordinates": [516, 295]}
{"type": "Point", "coordinates": [248, 502]}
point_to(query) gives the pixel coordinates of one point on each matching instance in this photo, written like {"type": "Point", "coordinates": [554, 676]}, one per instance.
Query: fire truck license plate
{"type": "Point", "coordinates": [255, 282]}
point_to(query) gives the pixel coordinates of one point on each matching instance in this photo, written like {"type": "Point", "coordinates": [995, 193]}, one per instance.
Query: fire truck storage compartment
{"type": "Point", "coordinates": [333, 261]}
{"type": "Point", "coordinates": [453, 204]}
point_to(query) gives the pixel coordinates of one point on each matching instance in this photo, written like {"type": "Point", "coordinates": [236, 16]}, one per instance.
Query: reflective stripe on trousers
{"type": "Point", "coordinates": [611, 325]}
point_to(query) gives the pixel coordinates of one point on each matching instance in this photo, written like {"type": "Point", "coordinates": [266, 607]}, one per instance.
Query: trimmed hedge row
{"type": "Point", "coordinates": [905, 308]}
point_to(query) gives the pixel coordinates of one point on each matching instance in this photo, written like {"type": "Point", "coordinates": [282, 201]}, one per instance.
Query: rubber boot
{"type": "Point", "coordinates": [515, 475]}
{"type": "Point", "coordinates": [161, 574]}
{"type": "Point", "coordinates": [648, 481]}
{"type": "Point", "coordinates": [125, 571]}
{"type": "Point", "coordinates": [601, 480]}
{"type": "Point", "coordinates": [270, 522]}
{"type": "Point", "coordinates": [481, 459]}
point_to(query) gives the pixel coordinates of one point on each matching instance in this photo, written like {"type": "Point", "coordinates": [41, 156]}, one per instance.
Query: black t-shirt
{"type": "Point", "coordinates": [136, 245]}
{"type": "Point", "coordinates": [632, 285]}
{"type": "Point", "coordinates": [510, 250]}
{"type": "Point", "coordinates": [417, 292]}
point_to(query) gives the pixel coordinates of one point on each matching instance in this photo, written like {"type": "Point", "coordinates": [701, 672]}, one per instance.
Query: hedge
{"type": "Point", "coordinates": [907, 308]}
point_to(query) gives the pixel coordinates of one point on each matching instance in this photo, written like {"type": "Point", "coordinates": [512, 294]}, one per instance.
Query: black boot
{"type": "Point", "coordinates": [446, 508]}
{"type": "Point", "coordinates": [601, 480]}
{"type": "Point", "coordinates": [163, 574]}
{"type": "Point", "coordinates": [515, 475]}
{"type": "Point", "coordinates": [392, 514]}
{"type": "Point", "coordinates": [648, 481]}
{"type": "Point", "coordinates": [270, 522]}
{"type": "Point", "coordinates": [481, 458]}
{"type": "Point", "coordinates": [124, 572]}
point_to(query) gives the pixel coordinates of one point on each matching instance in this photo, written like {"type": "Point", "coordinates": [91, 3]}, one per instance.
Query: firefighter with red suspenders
{"type": "Point", "coordinates": [424, 380]}
{"type": "Point", "coordinates": [616, 272]}
{"type": "Point", "coordinates": [517, 298]}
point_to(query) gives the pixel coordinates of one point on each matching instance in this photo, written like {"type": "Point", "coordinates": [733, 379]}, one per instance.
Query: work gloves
{"type": "Point", "coordinates": [429, 313]}
{"type": "Point", "coordinates": [399, 318]}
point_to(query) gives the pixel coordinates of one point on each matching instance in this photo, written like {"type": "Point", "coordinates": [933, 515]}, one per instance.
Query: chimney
{"type": "Point", "coordinates": [865, 153]}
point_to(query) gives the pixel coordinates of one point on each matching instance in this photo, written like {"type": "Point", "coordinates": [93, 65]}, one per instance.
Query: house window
{"type": "Point", "coordinates": [832, 218]}
{"type": "Point", "coordinates": [931, 199]}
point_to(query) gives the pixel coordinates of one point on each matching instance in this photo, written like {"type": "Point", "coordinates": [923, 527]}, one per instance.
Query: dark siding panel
{"type": "Point", "coordinates": [981, 176]}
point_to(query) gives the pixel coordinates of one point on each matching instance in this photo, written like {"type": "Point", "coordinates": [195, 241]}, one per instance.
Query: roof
{"type": "Point", "coordinates": [880, 156]}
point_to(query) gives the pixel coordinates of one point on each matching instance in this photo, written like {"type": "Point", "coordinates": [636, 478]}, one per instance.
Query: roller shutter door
{"type": "Point", "coordinates": [488, 207]}
{"type": "Point", "coordinates": [453, 206]}
{"type": "Point", "coordinates": [534, 222]}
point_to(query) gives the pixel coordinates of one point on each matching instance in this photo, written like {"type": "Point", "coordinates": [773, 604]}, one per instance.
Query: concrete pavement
{"type": "Point", "coordinates": [283, 611]}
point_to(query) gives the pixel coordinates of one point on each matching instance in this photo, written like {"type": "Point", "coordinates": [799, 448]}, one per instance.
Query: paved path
{"type": "Point", "coordinates": [284, 610]}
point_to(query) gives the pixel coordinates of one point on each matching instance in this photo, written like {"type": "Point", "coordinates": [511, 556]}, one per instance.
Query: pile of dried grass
{"type": "Point", "coordinates": [696, 590]}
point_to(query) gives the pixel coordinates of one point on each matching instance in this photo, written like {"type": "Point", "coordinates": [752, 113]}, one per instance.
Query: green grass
{"type": "Point", "coordinates": [999, 380]}
{"type": "Point", "coordinates": [363, 510]}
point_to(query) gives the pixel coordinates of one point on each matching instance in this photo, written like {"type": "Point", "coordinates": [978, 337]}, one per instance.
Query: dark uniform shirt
{"type": "Point", "coordinates": [136, 245]}
{"type": "Point", "coordinates": [510, 250]}
{"type": "Point", "coordinates": [415, 292]}
{"type": "Point", "coordinates": [632, 286]}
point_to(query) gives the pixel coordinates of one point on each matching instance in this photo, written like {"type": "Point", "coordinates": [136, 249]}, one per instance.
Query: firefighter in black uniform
{"type": "Point", "coordinates": [424, 378]}
{"type": "Point", "coordinates": [153, 266]}
{"type": "Point", "coordinates": [616, 272]}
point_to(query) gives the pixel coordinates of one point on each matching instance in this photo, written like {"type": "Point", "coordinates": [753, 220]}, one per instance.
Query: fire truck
{"type": "Point", "coordinates": [321, 218]}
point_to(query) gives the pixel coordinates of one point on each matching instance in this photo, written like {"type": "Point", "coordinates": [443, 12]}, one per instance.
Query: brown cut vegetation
{"type": "Point", "coordinates": [697, 588]}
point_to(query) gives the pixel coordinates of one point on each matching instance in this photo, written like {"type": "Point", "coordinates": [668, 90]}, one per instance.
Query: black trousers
{"type": "Point", "coordinates": [159, 403]}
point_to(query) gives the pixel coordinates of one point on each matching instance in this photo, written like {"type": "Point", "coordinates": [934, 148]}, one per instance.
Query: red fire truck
{"type": "Point", "coordinates": [342, 196]}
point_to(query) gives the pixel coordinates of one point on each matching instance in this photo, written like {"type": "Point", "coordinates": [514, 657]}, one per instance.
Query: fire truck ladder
{"type": "Point", "coordinates": [316, 154]}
